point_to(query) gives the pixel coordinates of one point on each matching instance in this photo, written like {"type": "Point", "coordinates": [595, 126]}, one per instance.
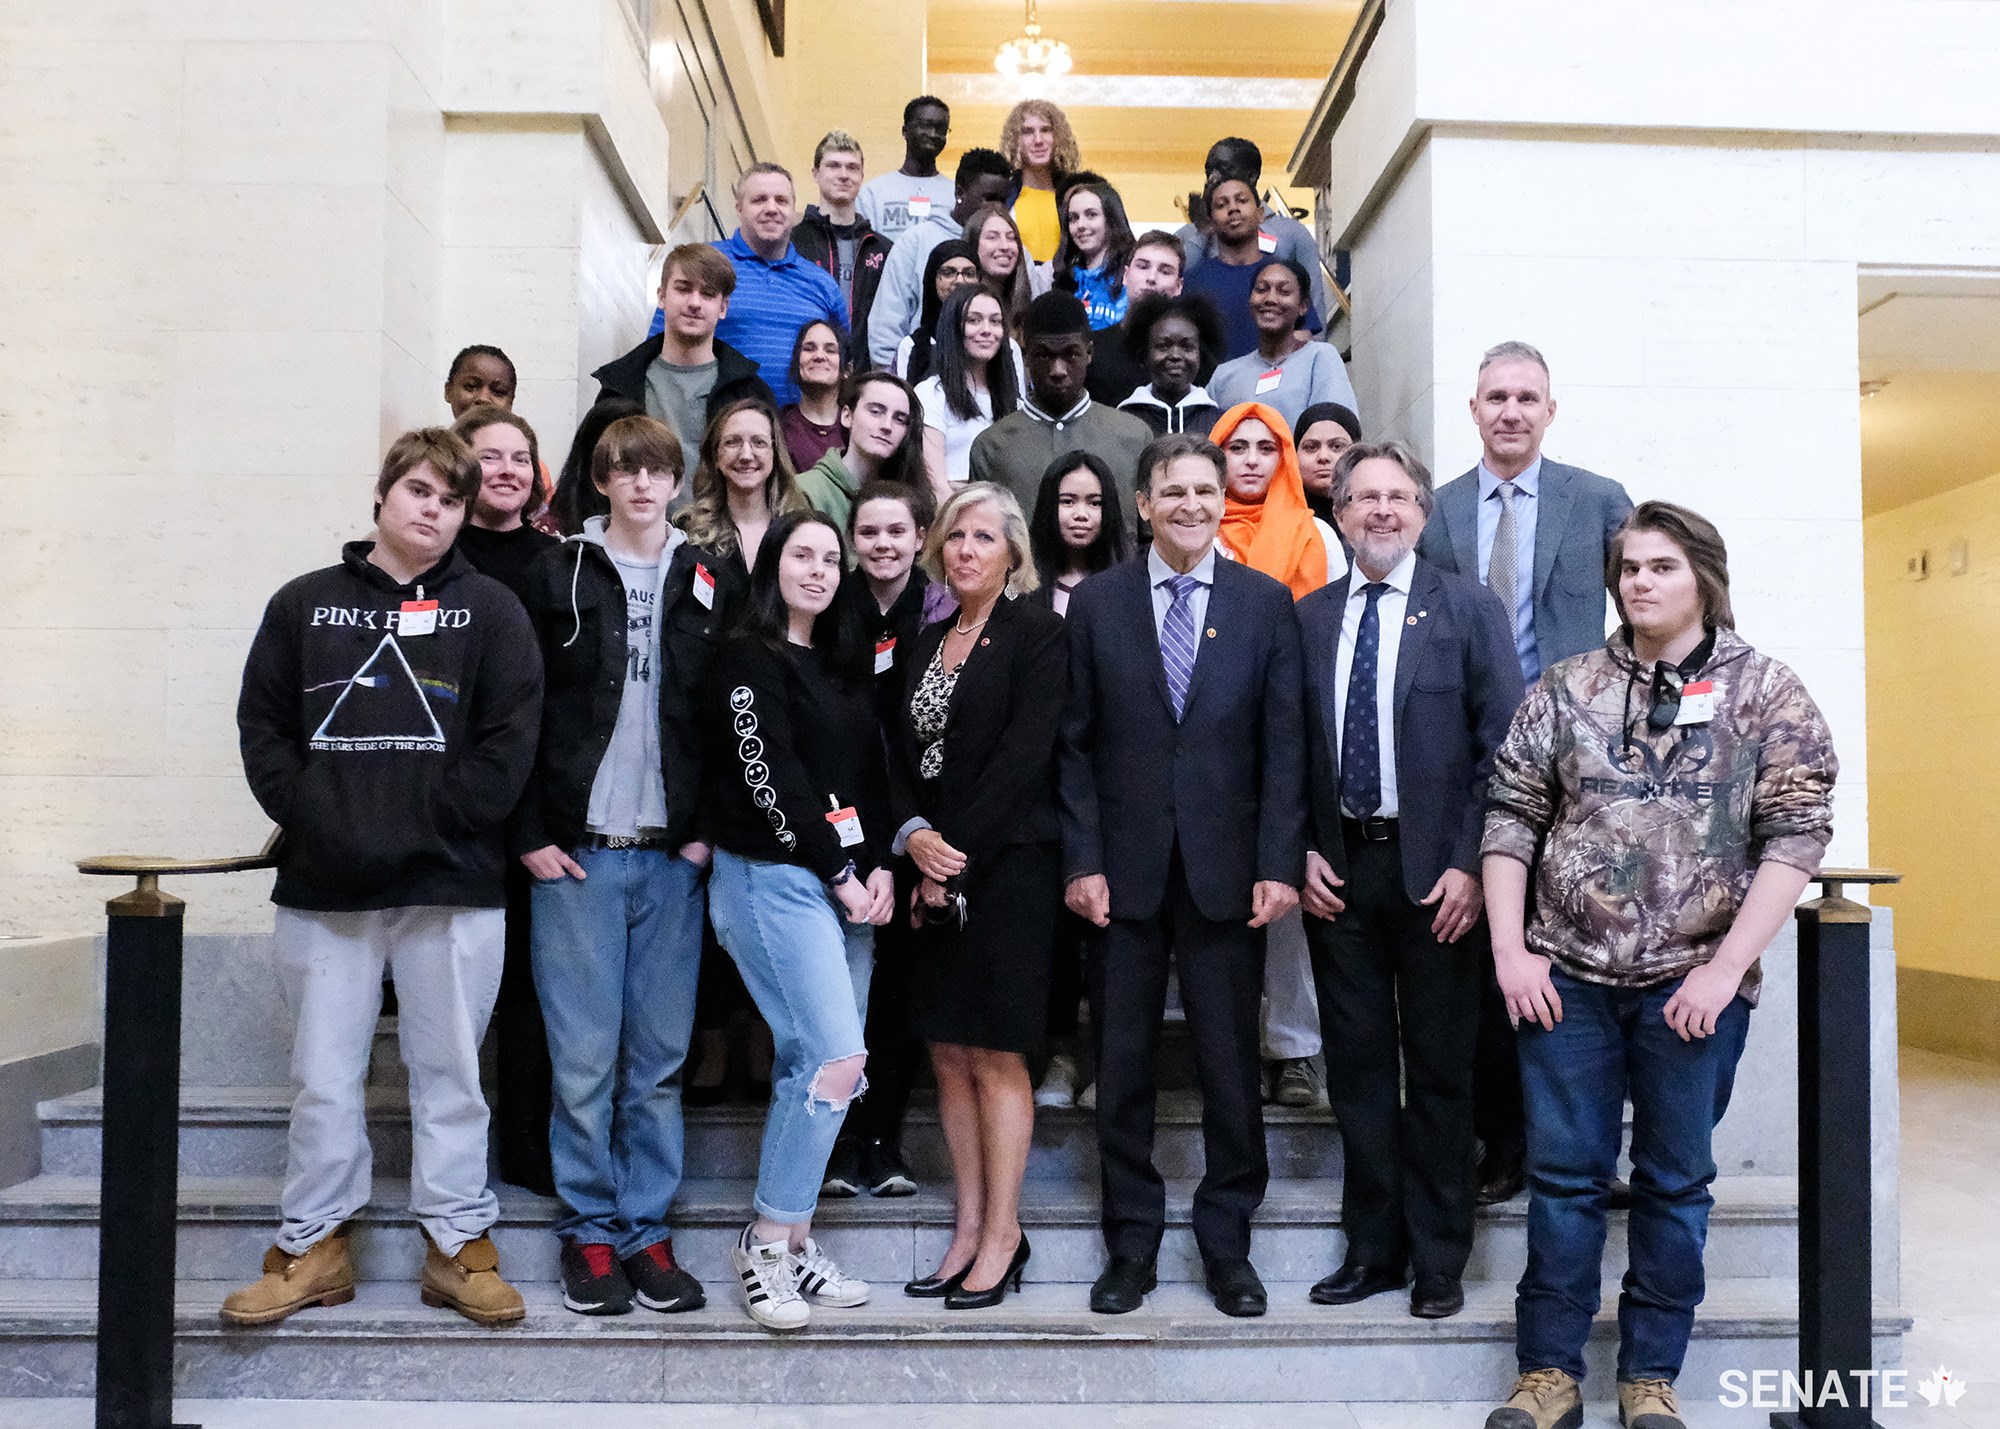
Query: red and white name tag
{"type": "Point", "coordinates": [1697, 703]}
{"type": "Point", "coordinates": [920, 207]}
{"type": "Point", "coordinates": [417, 617]}
{"type": "Point", "coordinates": [704, 587]}
{"type": "Point", "coordinates": [885, 654]}
{"type": "Point", "coordinates": [1266, 242]}
{"type": "Point", "coordinates": [846, 825]}
{"type": "Point", "coordinates": [1268, 380]}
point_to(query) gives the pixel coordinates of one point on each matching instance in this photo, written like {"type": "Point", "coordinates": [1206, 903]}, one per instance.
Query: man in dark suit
{"type": "Point", "coordinates": [1182, 781]}
{"type": "Point", "coordinates": [1410, 684]}
{"type": "Point", "coordinates": [1551, 527]}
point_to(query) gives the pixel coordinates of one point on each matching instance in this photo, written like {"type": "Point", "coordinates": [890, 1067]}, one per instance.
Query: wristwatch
{"type": "Point", "coordinates": [845, 875]}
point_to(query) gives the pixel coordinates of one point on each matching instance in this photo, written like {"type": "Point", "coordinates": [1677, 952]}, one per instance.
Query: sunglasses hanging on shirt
{"type": "Point", "coordinates": [1670, 680]}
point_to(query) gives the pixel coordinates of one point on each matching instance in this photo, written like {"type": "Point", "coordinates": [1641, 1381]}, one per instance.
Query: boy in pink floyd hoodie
{"type": "Point", "coordinates": [388, 721]}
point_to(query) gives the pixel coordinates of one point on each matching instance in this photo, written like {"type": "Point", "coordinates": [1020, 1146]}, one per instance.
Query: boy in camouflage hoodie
{"type": "Point", "coordinates": [1672, 795]}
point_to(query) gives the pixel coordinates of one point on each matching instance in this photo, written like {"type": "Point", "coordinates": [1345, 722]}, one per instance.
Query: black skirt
{"type": "Point", "coordinates": [987, 984]}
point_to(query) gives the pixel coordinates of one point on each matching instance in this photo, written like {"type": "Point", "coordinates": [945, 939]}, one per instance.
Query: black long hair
{"type": "Point", "coordinates": [952, 367]}
{"type": "Point", "coordinates": [577, 498]}
{"type": "Point", "coordinates": [838, 632]}
{"type": "Point", "coordinates": [927, 315]}
{"type": "Point", "coordinates": [1045, 530]}
{"type": "Point", "coordinates": [842, 344]}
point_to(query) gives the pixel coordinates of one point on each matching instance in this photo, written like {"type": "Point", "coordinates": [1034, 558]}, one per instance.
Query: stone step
{"type": "Point", "coordinates": [48, 1230]}
{"type": "Point", "coordinates": [240, 1131]}
{"type": "Point", "coordinates": [1041, 1346]}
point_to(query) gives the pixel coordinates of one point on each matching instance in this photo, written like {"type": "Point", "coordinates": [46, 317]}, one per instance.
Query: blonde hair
{"type": "Point", "coordinates": [837, 141]}
{"type": "Point", "coordinates": [1013, 525]}
{"type": "Point", "coordinates": [1066, 158]}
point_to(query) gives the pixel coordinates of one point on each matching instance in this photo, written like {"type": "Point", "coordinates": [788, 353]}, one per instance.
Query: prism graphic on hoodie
{"type": "Point", "coordinates": [381, 707]}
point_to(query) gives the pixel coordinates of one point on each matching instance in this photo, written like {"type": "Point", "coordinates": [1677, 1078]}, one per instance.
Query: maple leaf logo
{"type": "Point", "coordinates": [1941, 1388]}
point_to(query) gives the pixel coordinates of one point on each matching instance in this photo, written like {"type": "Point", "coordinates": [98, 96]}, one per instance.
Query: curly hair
{"type": "Point", "coordinates": [1066, 158]}
{"type": "Point", "coordinates": [707, 520]}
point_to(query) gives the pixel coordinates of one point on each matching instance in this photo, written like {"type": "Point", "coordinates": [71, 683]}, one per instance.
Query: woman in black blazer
{"type": "Point", "coordinates": [973, 796]}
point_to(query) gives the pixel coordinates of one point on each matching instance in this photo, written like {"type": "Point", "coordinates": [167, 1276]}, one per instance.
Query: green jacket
{"type": "Point", "coordinates": [830, 487]}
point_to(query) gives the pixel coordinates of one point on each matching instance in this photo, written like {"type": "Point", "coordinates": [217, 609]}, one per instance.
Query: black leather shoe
{"type": "Point", "coordinates": [1618, 1196]}
{"type": "Point", "coordinates": [1354, 1282]}
{"type": "Point", "coordinates": [1500, 1177]}
{"type": "Point", "coordinates": [1124, 1285]}
{"type": "Point", "coordinates": [1437, 1296]}
{"type": "Point", "coordinates": [935, 1287]}
{"type": "Point", "coordinates": [962, 1299]}
{"type": "Point", "coordinates": [1236, 1289]}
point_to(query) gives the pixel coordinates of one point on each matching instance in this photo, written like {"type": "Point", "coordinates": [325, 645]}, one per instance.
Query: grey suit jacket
{"type": "Point", "coordinates": [1578, 513]}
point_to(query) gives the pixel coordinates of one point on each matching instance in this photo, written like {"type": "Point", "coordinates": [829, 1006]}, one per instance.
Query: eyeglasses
{"type": "Point", "coordinates": [737, 444]}
{"type": "Point", "coordinates": [1394, 500]}
{"type": "Point", "coordinates": [621, 477]}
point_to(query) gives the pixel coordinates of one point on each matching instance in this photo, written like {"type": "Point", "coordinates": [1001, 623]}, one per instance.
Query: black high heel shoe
{"type": "Point", "coordinates": [936, 1287]}
{"type": "Point", "coordinates": [960, 1298]}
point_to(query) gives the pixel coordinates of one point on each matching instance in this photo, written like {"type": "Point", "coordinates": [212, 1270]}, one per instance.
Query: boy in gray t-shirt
{"type": "Point", "coordinates": [893, 203]}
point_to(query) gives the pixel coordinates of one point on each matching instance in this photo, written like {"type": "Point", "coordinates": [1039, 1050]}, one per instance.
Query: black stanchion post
{"type": "Point", "coordinates": [141, 1159]}
{"type": "Point", "coordinates": [1836, 1189]}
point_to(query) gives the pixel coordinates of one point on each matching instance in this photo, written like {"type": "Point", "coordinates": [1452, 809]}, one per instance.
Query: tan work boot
{"type": "Point", "coordinates": [1648, 1404]}
{"type": "Point", "coordinates": [1542, 1399]}
{"type": "Point", "coordinates": [470, 1282]}
{"type": "Point", "coordinates": [324, 1275]}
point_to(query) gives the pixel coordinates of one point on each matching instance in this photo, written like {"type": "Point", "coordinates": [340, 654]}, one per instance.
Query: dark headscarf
{"type": "Point", "coordinates": [933, 307]}
{"type": "Point", "coordinates": [1328, 412]}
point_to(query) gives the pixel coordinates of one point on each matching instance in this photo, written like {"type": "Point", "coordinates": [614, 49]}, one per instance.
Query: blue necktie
{"type": "Point", "coordinates": [1361, 732]}
{"type": "Point", "coordinates": [1177, 639]}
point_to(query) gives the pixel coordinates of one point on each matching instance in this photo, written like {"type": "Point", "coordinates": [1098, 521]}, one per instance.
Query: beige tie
{"type": "Point", "coordinates": [1501, 577]}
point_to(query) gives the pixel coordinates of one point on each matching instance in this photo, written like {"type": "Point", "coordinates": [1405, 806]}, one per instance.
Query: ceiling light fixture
{"type": "Point", "coordinates": [1032, 58]}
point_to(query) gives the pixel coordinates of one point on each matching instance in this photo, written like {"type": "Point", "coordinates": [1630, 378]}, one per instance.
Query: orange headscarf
{"type": "Point", "coordinates": [1279, 536]}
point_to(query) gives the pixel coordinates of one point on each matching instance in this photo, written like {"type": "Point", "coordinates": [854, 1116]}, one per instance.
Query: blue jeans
{"type": "Point", "coordinates": [616, 956]}
{"type": "Point", "coordinates": [807, 969]}
{"type": "Point", "coordinates": [1574, 1080]}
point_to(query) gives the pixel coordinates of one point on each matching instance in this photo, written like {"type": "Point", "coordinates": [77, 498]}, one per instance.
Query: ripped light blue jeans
{"type": "Point", "coordinates": [807, 969]}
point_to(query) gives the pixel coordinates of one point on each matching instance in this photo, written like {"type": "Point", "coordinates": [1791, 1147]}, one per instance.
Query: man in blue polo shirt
{"type": "Point", "coordinates": [777, 291]}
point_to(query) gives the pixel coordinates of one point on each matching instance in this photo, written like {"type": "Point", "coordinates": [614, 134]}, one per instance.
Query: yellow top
{"type": "Point", "coordinates": [1035, 216]}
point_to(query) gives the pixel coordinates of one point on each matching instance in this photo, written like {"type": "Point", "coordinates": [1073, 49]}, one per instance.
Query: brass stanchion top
{"type": "Point", "coordinates": [147, 900]}
{"type": "Point", "coordinates": [1832, 906]}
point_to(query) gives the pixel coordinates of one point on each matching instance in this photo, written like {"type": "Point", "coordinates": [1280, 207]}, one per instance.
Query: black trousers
{"type": "Point", "coordinates": [895, 1054]}
{"type": "Point", "coordinates": [1498, 1118]}
{"type": "Point", "coordinates": [523, 1079]}
{"type": "Point", "coordinates": [1393, 999]}
{"type": "Point", "coordinates": [1221, 971]}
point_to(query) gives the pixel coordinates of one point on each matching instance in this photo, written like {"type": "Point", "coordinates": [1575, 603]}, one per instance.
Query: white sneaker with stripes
{"type": "Point", "coordinates": [770, 1283]}
{"type": "Point", "coordinates": [823, 1282]}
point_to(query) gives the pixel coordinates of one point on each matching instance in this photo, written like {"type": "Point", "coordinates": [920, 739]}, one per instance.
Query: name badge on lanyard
{"type": "Point", "coordinates": [417, 617]}
{"type": "Point", "coordinates": [1697, 703]}
{"type": "Point", "coordinates": [846, 823]}
{"type": "Point", "coordinates": [885, 654]}
{"type": "Point", "coordinates": [704, 587]}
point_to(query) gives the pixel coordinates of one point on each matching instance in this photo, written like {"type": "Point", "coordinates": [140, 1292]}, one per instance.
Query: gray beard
{"type": "Point", "coordinates": [1382, 554]}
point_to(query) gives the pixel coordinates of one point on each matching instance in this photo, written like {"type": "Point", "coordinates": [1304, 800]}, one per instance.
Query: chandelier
{"type": "Point", "coordinates": [1031, 57]}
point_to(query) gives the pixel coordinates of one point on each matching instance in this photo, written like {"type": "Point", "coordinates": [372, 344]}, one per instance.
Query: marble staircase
{"type": "Point", "coordinates": [1042, 1346]}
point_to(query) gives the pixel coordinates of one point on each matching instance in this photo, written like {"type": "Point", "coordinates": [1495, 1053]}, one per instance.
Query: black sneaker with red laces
{"type": "Point", "coordinates": [593, 1283]}
{"type": "Point", "coordinates": [660, 1284]}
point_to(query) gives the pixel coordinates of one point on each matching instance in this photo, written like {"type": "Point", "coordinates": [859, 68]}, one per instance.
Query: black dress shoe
{"type": "Point", "coordinates": [962, 1299]}
{"type": "Point", "coordinates": [936, 1287]}
{"type": "Point", "coordinates": [1124, 1285]}
{"type": "Point", "coordinates": [1354, 1282]}
{"type": "Point", "coordinates": [1618, 1196]}
{"type": "Point", "coordinates": [1234, 1286]}
{"type": "Point", "coordinates": [1500, 1177]}
{"type": "Point", "coordinates": [1437, 1296]}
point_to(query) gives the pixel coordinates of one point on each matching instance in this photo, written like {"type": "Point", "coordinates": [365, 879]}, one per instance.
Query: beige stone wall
{"type": "Point", "coordinates": [243, 241]}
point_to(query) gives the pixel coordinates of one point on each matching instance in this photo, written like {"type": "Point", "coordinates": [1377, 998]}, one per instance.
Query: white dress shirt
{"type": "Point", "coordinates": [1158, 570]}
{"type": "Point", "coordinates": [1391, 610]}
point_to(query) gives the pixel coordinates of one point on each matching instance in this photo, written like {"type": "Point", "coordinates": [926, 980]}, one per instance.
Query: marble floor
{"type": "Point", "coordinates": [1951, 1286]}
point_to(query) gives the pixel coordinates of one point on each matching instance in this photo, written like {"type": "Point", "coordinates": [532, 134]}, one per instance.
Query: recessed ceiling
{"type": "Point", "coordinates": [1155, 81]}
{"type": "Point", "coordinates": [1932, 342]}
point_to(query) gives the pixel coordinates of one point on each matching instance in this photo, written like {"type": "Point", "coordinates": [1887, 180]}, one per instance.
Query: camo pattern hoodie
{"type": "Point", "coordinates": [1644, 844]}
